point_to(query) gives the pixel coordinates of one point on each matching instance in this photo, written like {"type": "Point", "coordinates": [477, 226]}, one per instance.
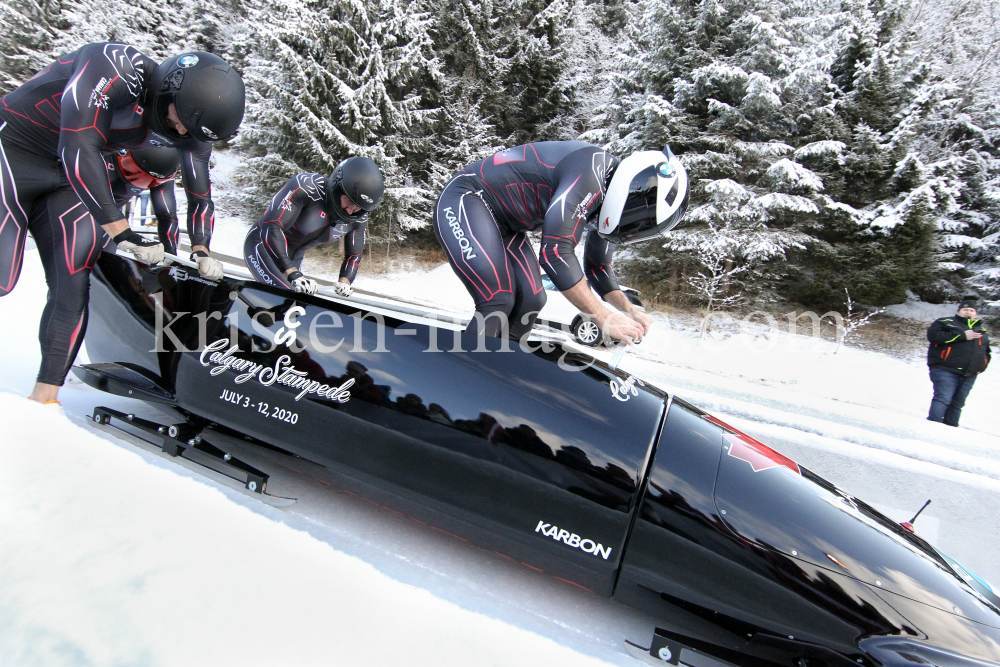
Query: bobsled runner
{"type": "Point", "coordinates": [561, 462]}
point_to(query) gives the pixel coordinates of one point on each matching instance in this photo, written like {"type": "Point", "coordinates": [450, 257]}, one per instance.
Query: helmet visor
{"type": "Point", "coordinates": [639, 213]}
{"type": "Point", "coordinates": [136, 176]}
{"type": "Point", "coordinates": [639, 221]}
{"type": "Point", "coordinates": [365, 207]}
{"type": "Point", "coordinates": [652, 229]}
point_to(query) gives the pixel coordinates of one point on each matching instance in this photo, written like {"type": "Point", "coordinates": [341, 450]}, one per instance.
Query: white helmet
{"type": "Point", "coordinates": [647, 197]}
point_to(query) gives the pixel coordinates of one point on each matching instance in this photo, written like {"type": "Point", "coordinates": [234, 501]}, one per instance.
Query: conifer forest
{"type": "Point", "coordinates": [831, 144]}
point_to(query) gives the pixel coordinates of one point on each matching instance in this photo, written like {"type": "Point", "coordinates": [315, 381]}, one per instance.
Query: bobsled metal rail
{"type": "Point", "coordinates": [376, 303]}
{"type": "Point", "coordinates": [664, 652]}
{"type": "Point", "coordinates": [183, 441]}
{"type": "Point", "coordinates": [384, 304]}
{"type": "Point", "coordinates": [239, 262]}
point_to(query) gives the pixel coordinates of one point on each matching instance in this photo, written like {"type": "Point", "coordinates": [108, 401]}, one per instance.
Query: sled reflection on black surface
{"type": "Point", "coordinates": [557, 461]}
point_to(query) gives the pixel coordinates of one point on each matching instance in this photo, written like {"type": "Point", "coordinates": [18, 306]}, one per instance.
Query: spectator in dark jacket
{"type": "Point", "coordinates": [959, 351]}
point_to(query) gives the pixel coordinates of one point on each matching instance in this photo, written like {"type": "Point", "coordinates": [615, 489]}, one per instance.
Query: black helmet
{"type": "Point", "coordinates": [208, 94]}
{"type": "Point", "coordinates": [148, 167]}
{"type": "Point", "coordinates": [647, 197]}
{"type": "Point", "coordinates": [360, 179]}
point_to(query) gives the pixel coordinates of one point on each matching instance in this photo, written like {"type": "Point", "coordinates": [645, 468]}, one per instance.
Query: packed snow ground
{"type": "Point", "coordinates": [109, 560]}
{"type": "Point", "coordinates": [111, 555]}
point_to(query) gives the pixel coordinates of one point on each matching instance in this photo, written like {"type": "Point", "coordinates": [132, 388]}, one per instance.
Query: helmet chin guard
{"type": "Point", "coordinates": [647, 197]}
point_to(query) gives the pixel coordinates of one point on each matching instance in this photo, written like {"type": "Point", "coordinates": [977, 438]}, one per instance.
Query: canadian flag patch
{"type": "Point", "coordinates": [138, 109]}
{"type": "Point", "coordinates": [322, 214]}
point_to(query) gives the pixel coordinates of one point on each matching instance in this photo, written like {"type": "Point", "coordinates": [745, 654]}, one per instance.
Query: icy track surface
{"type": "Point", "coordinates": [110, 555]}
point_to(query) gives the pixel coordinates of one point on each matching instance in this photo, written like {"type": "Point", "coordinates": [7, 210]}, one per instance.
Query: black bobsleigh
{"type": "Point", "coordinates": [551, 458]}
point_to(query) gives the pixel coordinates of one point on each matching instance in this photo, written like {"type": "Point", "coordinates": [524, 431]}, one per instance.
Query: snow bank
{"type": "Point", "coordinates": [439, 287]}
{"type": "Point", "coordinates": [915, 309]}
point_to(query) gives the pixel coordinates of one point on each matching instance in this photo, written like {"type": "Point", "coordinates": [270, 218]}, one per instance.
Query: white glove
{"type": "Point", "coordinates": [146, 251]}
{"type": "Point", "coordinates": [207, 267]}
{"type": "Point", "coordinates": [343, 289]}
{"type": "Point", "coordinates": [302, 284]}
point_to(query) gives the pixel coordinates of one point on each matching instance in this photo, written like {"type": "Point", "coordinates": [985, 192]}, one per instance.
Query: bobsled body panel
{"type": "Point", "coordinates": [556, 461]}
{"type": "Point", "coordinates": [794, 511]}
{"type": "Point", "coordinates": [536, 447]}
{"type": "Point", "coordinates": [682, 560]}
{"type": "Point", "coordinates": [725, 546]}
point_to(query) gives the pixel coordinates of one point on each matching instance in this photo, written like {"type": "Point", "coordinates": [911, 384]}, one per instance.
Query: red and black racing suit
{"type": "Point", "coordinates": [54, 181]}
{"type": "Point", "coordinates": [161, 196]}
{"type": "Point", "coordinates": [298, 219]}
{"type": "Point", "coordinates": [484, 213]}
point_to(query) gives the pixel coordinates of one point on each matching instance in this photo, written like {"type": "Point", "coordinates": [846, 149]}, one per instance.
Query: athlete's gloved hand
{"type": "Point", "coordinates": [302, 284]}
{"type": "Point", "coordinates": [147, 251]}
{"type": "Point", "coordinates": [343, 289]}
{"type": "Point", "coordinates": [207, 267]}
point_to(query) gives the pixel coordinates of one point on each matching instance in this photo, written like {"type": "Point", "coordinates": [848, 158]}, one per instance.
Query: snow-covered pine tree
{"type": "Point", "coordinates": [950, 125]}
{"type": "Point", "coordinates": [152, 27]}
{"type": "Point", "coordinates": [29, 30]}
{"type": "Point", "coordinates": [613, 90]}
{"type": "Point", "coordinates": [912, 179]}
{"type": "Point", "coordinates": [459, 137]}
{"type": "Point", "coordinates": [882, 113]}
{"type": "Point", "coordinates": [538, 95]}
{"type": "Point", "coordinates": [462, 130]}
{"type": "Point", "coordinates": [210, 25]}
{"type": "Point", "coordinates": [715, 77]}
{"type": "Point", "coordinates": [333, 79]}
{"type": "Point", "coordinates": [588, 49]}
{"type": "Point", "coordinates": [511, 57]}
{"type": "Point", "coordinates": [633, 110]}
{"type": "Point", "coordinates": [730, 243]}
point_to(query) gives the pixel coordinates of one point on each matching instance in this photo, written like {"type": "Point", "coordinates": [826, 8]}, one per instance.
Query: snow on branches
{"type": "Point", "coordinates": [853, 321]}
{"type": "Point", "coordinates": [788, 176]}
{"type": "Point", "coordinates": [822, 149]}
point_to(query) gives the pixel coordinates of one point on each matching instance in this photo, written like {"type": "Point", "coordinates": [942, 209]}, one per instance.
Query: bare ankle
{"type": "Point", "coordinates": [45, 393]}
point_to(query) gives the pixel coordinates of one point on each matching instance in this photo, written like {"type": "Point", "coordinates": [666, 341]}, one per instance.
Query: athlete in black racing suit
{"type": "Point", "coordinates": [298, 218]}
{"type": "Point", "coordinates": [161, 195]}
{"type": "Point", "coordinates": [54, 181]}
{"type": "Point", "coordinates": [482, 218]}
{"type": "Point", "coordinates": [311, 209]}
